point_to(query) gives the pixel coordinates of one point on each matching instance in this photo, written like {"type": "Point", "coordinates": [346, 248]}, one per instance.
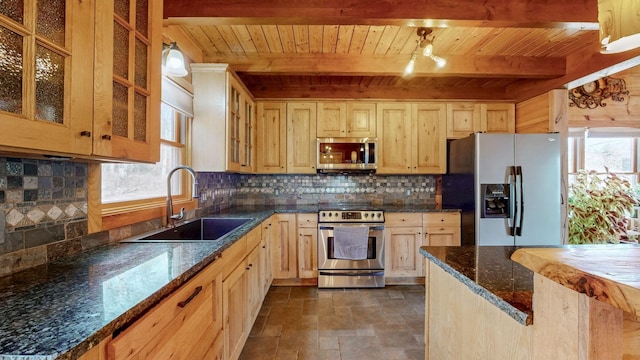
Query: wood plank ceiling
{"type": "Point", "coordinates": [495, 49]}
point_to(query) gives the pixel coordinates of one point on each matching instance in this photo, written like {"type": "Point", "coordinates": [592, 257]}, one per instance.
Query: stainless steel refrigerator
{"type": "Point", "coordinates": [508, 188]}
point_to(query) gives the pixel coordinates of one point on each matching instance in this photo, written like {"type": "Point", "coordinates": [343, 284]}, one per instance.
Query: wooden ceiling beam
{"type": "Point", "coordinates": [432, 13]}
{"type": "Point", "coordinates": [391, 65]}
{"type": "Point", "coordinates": [582, 66]}
{"type": "Point", "coordinates": [377, 92]}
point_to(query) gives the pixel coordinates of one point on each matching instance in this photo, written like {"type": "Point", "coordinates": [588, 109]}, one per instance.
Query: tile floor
{"type": "Point", "coordinates": [339, 324]}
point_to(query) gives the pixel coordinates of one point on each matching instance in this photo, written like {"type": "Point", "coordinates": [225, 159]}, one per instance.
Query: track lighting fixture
{"type": "Point", "coordinates": [426, 44]}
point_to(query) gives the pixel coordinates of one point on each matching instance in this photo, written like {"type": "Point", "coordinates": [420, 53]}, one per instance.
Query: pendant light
{"type": "Point", "coordinates": [173, 61]}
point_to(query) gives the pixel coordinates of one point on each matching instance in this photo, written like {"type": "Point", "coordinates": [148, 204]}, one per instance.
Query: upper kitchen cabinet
{"type": "Point", "coordinates": [127, 75]}
{"type": "Point", "coordinates": [464, 119]}
{"type": "Point", "coordinates": [412, 138]}
{"type": "Point", "coordinates": [346, 119]}
{"type": "Point", "coordinates": [272, 137]}
{"type": "Point", "coordinates": [301, 137]}
{"type": "Point", "coordinates": [46, 76]}
{"type": "Point", "coordinates": [224, 121]}
{"type": "Point", "coordinates": [498, 117]}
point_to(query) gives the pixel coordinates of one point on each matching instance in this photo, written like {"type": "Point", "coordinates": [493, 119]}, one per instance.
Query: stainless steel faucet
{"type": "Point", "coordinates": [171, 218]}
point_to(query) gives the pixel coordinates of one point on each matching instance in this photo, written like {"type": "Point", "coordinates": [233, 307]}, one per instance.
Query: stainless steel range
{"type": "Point", "coordinates": [339, 268]}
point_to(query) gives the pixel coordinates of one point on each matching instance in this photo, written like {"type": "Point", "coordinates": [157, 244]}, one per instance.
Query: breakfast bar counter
{"type": "Point", "coordinates": [580, 302]}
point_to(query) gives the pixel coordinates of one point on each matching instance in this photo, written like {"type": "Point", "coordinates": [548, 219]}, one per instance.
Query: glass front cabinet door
{"type": "Point", "coordinates": [46, 76]}
{"type": "Point", "coordinates": [127, 79]}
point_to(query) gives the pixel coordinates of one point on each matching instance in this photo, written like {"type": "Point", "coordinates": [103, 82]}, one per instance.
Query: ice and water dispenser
{"type": "Point", "coordinates": [495, 201]}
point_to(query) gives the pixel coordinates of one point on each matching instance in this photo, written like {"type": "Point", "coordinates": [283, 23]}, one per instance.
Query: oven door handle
{"type": "Point", "coordinates": [353, 273]}
{"type": "Point", "coordinates": [378, 227]}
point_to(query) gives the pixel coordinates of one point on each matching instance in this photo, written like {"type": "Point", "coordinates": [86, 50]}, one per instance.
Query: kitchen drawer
{"type": "Point", "coordinates": [402, 219]}
{"type": "Point", "coordinates": [253, 238]}
{"type": "Point", "coordinates": [233, 256]}
{"type": "Point", "coordinates": [308, 220]}
{"type": "Point", "coordinates": [171, 326]}
{"type": "Point", "coordinates": [441, 219]}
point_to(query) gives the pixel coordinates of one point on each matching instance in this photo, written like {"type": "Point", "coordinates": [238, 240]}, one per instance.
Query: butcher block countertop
{"type": "Point", "coordinates": [608, 273]}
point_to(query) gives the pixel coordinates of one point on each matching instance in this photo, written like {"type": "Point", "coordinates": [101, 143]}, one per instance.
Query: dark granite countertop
{"type": "Point", "coordinates": [62, 309]}
{"type": "Point", "coordinates": [489, 272]}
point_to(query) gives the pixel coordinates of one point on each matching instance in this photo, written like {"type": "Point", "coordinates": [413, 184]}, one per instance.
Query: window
{"type": "Point", "coordinates": [131, 187]}
{"type": "Point", "coordinates": [131, 182]}
{"type": "Point", "coordinates": [599, 149]}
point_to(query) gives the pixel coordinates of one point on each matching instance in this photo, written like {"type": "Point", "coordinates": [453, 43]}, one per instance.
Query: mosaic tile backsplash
{"type": "Point", "coordinates": [43, 204]}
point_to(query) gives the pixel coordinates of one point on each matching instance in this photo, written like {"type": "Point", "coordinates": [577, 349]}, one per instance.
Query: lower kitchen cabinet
{"type": "Point", "coordinates": [185, 325]}
{"type": "Point", "coordinates": [266, 272]}
{"type": "Point", "coordinates": [441, 229]}
{"type": "Point", "coordinates": [307, 246]}
{"type": "Point", "coordinates": [284, 249]}
{"type": "Point", "coordinates": [235, 300]}
{"type": "Point", "coordinates": [403, 238]}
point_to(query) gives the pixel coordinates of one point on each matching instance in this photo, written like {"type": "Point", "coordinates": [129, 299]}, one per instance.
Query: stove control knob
{"type": "Point", "coordinates": [379, 214]}
{"type": "Point", "coordinates": [366, 215]}
{"type": "Point", "coordinates": [336, 214]}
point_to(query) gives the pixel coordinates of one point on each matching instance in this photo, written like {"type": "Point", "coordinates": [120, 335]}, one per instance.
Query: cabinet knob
{"type": "Point", "coordinates": [106, 137]}
{"type": "Point", "coordinates": [85, 133]}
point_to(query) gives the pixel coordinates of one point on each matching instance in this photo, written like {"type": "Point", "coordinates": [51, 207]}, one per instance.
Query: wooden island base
{"type": "Point", "coordinates": [567, 324]}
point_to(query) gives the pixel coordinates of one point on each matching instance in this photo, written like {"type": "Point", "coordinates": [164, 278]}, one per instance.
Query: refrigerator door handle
{"type": "Point", "coordinates": [521, 191]}
{"type": "Point", "coordinates": [514, 193]}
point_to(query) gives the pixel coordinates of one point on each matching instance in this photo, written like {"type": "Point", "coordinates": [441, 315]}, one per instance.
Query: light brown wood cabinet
{"type": "Point", "coordinates": [403, 238]}
{"type": "Point", "coordinates": [224, 125]}
{"type": "Point", "coordinates": [498, 117]}
{"type": "Point", "coordinates": [266, 271]}
{"type": "Point", "coordinates": [235, 306]}
{"type": "Point", "coordinates": [283, 246]}
{"type": "Point", "coordinates": [184, 325]}
{"type": "Point", "coordinates": [405, 233]}
{"type": "Point", "coordinates": [301, 137]}
{"type": "Point", "coordinates": [77, 94]}
{"type": "Point", "coordinates": [346, 119]}
{"type": "Point", "coordinates": [441, 229]}
{"type": "Point", "coordinates": [307, 246]}
{"type": "Point", "coordinates": [412, 138]}
{"type": "Point", "coordinates": [127, 72]}
{"type": "Point", "coordinates": [272, 137]}
{"type": "Point", "coordinates": [464, 119]}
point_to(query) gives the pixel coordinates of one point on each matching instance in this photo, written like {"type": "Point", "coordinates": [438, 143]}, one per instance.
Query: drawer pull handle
{"type": "Point", "coordinates": [188, 300]}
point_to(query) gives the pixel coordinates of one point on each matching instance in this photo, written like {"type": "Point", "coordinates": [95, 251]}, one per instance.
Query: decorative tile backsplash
{"type": "Point", "coordinates": [43, 204]}
{"type": "Point", "coordinates": [334, 188]}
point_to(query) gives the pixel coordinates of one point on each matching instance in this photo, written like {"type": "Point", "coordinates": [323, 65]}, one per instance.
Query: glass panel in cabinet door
{"type": "Point", "coordinates": [11, 63]}
{"type": "Point", "coordinates": [49, 85]}
{"type": "Point", "coordinates": [142, 17]}
{"type": "Point", "coordinates": [140, 117]}
{"type": "Point", "coordinates": [121, 50]}
{"type": "Point", "coordinates": [13, 9]}
{"type": "Point", "coordinates": [121, 8]}
{"type": "Point", "coordinates": [51, 21]}
{"type": "Point", "coordinates": [141, 64]}
{"type": "Point", "coordinates": [120, 110]}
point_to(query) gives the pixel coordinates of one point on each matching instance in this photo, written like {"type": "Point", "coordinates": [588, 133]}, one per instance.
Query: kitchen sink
{"type": "Point", "coordinates": [203, 229]}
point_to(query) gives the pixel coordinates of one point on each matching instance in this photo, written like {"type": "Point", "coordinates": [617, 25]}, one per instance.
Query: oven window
{"type": "Point", "coordinates": [371, 248]}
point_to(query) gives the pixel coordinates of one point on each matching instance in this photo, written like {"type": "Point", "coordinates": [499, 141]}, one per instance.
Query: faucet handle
{"type": "Point", "coordinates": [179, 216]}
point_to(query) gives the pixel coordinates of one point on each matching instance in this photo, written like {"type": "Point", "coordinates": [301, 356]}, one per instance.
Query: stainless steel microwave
{"type": "Point", "coordinates": [347, 154]}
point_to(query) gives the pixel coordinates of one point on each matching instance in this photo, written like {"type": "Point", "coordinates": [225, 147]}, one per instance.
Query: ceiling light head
{"type": "Point", "coordinates": [428, 49]}
{"type": "Point", "coordinates": [411, 65]}
{"type": "Point", "coordinates": [440, 62]}
{"type": "Point", "coordinates": [173, 61]}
